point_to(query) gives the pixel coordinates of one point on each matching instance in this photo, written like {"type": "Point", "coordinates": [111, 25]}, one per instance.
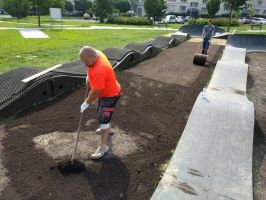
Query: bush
{"type": "Point", "coordinates": [216, 21]}
{"type": "Point", "coordinates": [16, 8]}
{"type": "Point", "coordinates": [132, 20]}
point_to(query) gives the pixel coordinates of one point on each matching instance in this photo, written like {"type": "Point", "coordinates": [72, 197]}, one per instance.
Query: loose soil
{"type": "Point", "coordinates": [257, 93]}
{"type": "Point", "coordinates": [151, 114]}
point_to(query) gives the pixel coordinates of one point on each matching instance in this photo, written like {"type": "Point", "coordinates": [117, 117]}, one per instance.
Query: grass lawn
{"type": "Point", "coordinates": [32, 22]}
{"type": "Point", "coordinates": [62, 46]}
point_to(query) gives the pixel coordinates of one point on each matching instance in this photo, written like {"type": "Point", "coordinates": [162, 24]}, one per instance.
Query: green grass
{"type": "Point", "coordinates": [243, 28]}
{"type": "Point", "coordinates": [62, 46]}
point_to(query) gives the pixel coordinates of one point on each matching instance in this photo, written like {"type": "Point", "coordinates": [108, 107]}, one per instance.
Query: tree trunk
{"type": "Point", "coordinates": [229, 20]}
{"type": "Point", "coordinates": [39, 13]}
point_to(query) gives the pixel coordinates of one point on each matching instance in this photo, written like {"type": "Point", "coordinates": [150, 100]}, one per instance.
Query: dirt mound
{"type": "Point", "coordinates": [151, 113]}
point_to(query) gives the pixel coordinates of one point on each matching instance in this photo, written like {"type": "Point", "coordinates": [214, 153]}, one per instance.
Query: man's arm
{"type": "Point", "coordinates": [93, 95]}
{"type": "Point", "coordinates": [203, 32]}
{"type": "Point", "coordinates": [213, 31]}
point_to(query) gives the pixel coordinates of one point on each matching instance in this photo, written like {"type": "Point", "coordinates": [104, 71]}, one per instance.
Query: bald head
{"type": "Point", "coordinates": [88, 55]}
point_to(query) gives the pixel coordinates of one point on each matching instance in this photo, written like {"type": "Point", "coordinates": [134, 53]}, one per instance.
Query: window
{"type": "Point", "coordinates": [204, 1]}
{"type": "Point", "coordinates": [264, 12]}
{"type": "Point", "coordinates": [171, 8]}
{"type": "Point", "coordinates": [172, 0]}
{"type": "Point", "coordinates": [259, 3]}
{"type": "Point", "coordinates": [249, 5]}
{"type": "Point", "coordinates": [182, 9]}
{"type": "Point", "coordinates": [183, 1]}
{"type": "Point", "coordinates": [257, 10]}
{"type": "Point", "coordinates": [194, 4]}
{"type": "Point", "coordinates": [203, 10]}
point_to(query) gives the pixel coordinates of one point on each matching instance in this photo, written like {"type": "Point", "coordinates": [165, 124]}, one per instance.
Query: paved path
{"type": "Point", "coordinates": [26, 33]}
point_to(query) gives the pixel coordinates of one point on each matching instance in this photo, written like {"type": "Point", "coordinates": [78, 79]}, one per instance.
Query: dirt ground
{"type": "Point", "coordinates": [148, 123]}
{"type": "Point", "coordinates": [257, 93]}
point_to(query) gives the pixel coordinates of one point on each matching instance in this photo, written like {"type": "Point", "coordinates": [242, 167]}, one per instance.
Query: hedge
{"type": "Point", "coordinates": [216, 21]}
{"type": "Point", "coordinates": [132, 20]}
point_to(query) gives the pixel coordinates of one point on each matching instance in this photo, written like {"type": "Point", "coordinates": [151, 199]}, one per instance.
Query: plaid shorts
{"type": "Point", "coordinates": [106, 107]}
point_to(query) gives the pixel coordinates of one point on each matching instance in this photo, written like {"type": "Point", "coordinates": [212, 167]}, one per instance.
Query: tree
{"type": "Point", "coordinates": [213, 7]}
{"type": "Point", "coordinates": [133, 4]}
{"type": "Point", "coordinates": [69, 6]}
{"type": "Point", "coordinates": [232, 5]}
{"type": "Point", "coordinates": [17, 8]}
{"type": "Point", "coordinates": [45, 5]}
{"type": "Point", "coordinates": [121, 5]}
{"type": "Point", "coordinates": [102, 8]}
{"type": "Point", "coordinates": [82, 5]}
{"type": "Point", "coordinates": [155, 8]}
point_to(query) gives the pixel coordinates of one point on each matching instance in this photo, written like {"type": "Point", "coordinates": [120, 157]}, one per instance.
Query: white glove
{"type": "Point", "coordinates": [84, 106]}
{"type": "Point", "coordinates": [87, 78]}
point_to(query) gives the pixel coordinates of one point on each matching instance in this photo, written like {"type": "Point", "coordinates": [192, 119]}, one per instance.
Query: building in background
{"type": "Point", "coordinates": [189, 7]}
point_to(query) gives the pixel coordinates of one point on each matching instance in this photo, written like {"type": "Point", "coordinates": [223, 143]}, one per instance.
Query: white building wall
{"type": "Point", "coordinates": [181, 6]}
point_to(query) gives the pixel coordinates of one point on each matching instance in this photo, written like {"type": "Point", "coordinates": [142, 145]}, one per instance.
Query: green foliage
{"type": "Point", "coordinates": [69, 6]}
{"type": "Point", "coordinates": [216, 21]}
{"type": "Point", "coordinates": [155, 8]}
{"type": "Point", "coordinates": [121, 5]}
{"type": "Point", "coordinates": [102, 8]}
{"type": "Point", "coordinates": [213, 7]}
{"type": "Point", "coordinates": [45, 5]}
{"type": "Point", "coordinates": [232, 5]}
{"type": "Point", "coordinates": [133, 4]}
{"type": "Point", "coordinates": [17, 8]}
{"type": "Point", "coordinates": [82, 5]}
{"type": "Point", "coordinates": [132, 20]}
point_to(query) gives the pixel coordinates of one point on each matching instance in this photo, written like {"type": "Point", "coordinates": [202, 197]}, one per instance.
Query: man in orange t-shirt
{"type": "Point", "coordinates": [105, 88]}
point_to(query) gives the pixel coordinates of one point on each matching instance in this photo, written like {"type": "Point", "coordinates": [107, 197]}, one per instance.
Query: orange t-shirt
{"type": "Point", "coordinates": [102, 77]}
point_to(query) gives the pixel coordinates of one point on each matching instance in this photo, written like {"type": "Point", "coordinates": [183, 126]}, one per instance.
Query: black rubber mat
{"type": "Point", "coordinates": [11, 85]}
{"type": "Point", "coordinates": [139, 47]}
{"type": "Point", "coordinates": [251, 42]}
{"type": "Point", "coordinates": [116, 53]}
{"type": "Point", "coordinates": [196, 29]}
{"type": "Point", "coordinates": [73, 68]}
{"type": "Point", "coordinates": [162, 42]}
{"type": "Point", "coordinates": [15, 95]}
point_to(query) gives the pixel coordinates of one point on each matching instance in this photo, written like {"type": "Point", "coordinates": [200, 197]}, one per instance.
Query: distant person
{"type": "Point", "coordinates": [104, 87]}
{"type": "Point", "coordinates": [207, 34]}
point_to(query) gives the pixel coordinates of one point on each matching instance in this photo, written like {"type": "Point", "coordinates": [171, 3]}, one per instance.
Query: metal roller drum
{"type": "Point", "coordinates": [200, 59]}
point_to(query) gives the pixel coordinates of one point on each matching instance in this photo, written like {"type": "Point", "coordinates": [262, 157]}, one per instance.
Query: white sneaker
{"type": "Point", "coordinates": [99, 152]}
{"type": "Point", "coordinates": [98, 131]}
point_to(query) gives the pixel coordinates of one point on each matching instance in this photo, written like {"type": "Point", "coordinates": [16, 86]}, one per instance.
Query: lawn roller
{"type": "Point", "coordinates": [199, 57]}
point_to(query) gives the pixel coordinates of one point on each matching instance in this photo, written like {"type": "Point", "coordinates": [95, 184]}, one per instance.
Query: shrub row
{"type": "Point", "coordinates": [131, 20]}
{"type": "Point", "coordinates": [216, 21]}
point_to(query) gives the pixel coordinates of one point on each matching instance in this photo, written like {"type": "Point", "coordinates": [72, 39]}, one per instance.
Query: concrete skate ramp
{"type": "Point", "coordinates": [234, 55]}
{"type": "Point", "coordinates": [213, 159]}
{"type": "Point", "coordinates": [251, 42]}
{"type": "Point", "coordinates": [196, 30]}
{"type": "Point", "coordinates": [231, 77]}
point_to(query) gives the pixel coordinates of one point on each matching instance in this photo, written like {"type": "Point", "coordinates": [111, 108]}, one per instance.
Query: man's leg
{"type": "Point", "coordinates": [204, 47]}
{"type": "Point", "coordinates": [105, 131]}
{"type": "Point", "coordinates": [105, 111]}
{"type": "Point", "coordinates": [207, 47]}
